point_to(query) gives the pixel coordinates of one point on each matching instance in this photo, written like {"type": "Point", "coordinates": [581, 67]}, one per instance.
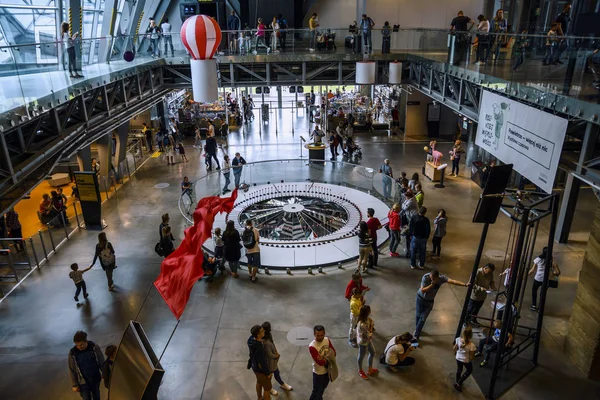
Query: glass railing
{"type": "Point", "coordinates": [35, 77]}
{"type": "Point", "coordinates": [293, 171]}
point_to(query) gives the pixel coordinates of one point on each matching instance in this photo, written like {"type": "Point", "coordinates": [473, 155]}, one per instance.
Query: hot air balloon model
{"type": "Point", "coordinates": [201, 36]}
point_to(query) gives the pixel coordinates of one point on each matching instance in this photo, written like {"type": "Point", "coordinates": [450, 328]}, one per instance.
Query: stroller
{"type": "Point", "coordinates": [326, 41]}
{"type": "Point", "coordinates": [353, 151]}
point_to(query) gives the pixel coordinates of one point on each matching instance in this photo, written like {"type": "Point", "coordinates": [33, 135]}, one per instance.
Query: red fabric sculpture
{"type": "Point", "coordinates": [182, 268]}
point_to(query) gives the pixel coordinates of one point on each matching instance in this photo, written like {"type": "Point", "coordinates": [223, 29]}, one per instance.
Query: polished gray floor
{"type": "Point", "coordinates": [207, 355]}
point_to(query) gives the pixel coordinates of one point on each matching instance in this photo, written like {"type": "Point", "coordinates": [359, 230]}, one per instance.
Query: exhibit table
{"type": "Point", "coordinates": [316, 151]}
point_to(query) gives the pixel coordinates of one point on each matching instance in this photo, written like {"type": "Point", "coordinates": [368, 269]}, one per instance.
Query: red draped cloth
{"type": "Point", "coordinates": [183, 268]}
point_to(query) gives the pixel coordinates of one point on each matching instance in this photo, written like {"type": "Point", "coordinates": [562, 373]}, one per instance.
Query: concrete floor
{"type": "Point", "coordinates": [206, 358]}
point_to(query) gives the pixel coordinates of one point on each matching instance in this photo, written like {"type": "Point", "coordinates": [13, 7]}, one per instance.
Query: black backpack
{"type": "Point", "coordinates": [248, 238]}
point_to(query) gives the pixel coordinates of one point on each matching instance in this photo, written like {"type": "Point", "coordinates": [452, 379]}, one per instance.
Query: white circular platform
{"type": "Point", "coordinates": [303, 236]}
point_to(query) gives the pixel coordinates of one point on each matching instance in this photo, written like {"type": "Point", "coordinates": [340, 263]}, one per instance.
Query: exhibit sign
{"type": "Point", "coordinates": [524, 136]}
{"type": "Point", "coordinates": [89, 197]}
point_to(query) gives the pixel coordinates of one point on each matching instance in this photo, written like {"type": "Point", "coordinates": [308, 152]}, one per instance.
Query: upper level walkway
{"type": "Point", "coordinates": [34, 78]}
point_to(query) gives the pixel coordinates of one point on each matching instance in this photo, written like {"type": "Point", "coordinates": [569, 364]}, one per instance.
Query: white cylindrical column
{"type": "Point", "coordinates": [365, 72]}
{"type": "Point", "coordinates": [205, 84]}
{"type": "Point", "coordinates": [395, 73]}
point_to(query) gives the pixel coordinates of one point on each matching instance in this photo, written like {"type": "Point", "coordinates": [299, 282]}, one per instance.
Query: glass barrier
{"type": "Point", "coordinates": [339, 173]}
{"type": "Point", "coordinates": [518, 59]}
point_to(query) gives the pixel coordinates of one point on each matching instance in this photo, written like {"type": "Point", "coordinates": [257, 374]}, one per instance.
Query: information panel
{"type": "Point", "coordinates": [524, 136]}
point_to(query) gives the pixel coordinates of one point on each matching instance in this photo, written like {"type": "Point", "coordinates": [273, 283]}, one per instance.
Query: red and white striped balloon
{"type": "Point", "coordinates": [201, 35]}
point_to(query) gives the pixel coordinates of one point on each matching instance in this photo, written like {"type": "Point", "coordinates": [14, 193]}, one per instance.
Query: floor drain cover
{"type": "Point", "coordinates": [162, 185]}
{"type": "Point", "coordinates": [300, 336]}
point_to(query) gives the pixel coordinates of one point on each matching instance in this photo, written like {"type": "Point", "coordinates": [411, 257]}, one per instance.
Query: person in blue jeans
{"type": "Point", "coordinates": [420, 229]}
{"type": "Point", "coordinates": [85, 366]}
{"type": "Point", "coordinates": [430, 284]}
{"type": "Point", "coordinates": [237, 164]}
{"type": "Point", "coordinates": [366, 25]}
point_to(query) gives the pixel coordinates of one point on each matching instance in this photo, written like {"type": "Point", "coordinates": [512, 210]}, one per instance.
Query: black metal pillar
{"type": "Point", "coordinates": [509, 299]}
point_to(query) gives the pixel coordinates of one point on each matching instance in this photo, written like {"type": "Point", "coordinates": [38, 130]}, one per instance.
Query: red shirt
{"type": "Point", "coordinates": [352, 285]}
{"type": "Point", "coordinates": [373, 224]}
{"type": "Point", "coordinates": [394, 218]}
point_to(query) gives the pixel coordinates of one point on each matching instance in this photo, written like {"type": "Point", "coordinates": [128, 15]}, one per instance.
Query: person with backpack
{"type": "Point", "coordinates": [259, 363]}
{"type": "Point", "coordinates": [85, 363]}
{"type": "Point", "coordinates": [106, 253]}
{"type": "Point", "coordinates": [465, 351]}
{"type": "Point", "coordinates": [250, 239]}
{"type": "Point", "coordinates": [397, 351]}
{"type": "Point", "coordinates": [166, 242]}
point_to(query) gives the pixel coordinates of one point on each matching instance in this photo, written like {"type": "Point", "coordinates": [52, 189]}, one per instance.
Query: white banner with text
{"type": "Point", "coordinates": [524, 136]}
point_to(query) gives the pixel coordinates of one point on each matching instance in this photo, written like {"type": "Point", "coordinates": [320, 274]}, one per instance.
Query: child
{"type": "Point", "coordinates": [465, 353]}
{"type": "Point", "coordinates": [551, 43]}
{"type": "Point", "coordinates": [206, 159]}
{"type": "Point", "coordinates": [355, 282]}
{"type": "Point", "coordinates": [111, 353]}
{"type": "Point", "coordinates": [356, 302]}
{"type": "Point", "coordinates": [182, 151]}
{"type": "Point", "coordinates": [77, 277]}
{"type": "Point", "coordinates": [439, 231]}
{"type": "Point", "coordinates": [219, 245]}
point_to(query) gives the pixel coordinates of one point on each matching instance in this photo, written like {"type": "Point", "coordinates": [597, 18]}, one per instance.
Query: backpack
{"type": "Point", "coordinates": [106, 256]}
{"type": "Point", "coordinates": [158, 249]}
{"type": "Point", "coordinates": [166, 141]}
{"type": "Point", "coordinates": [248, 238]}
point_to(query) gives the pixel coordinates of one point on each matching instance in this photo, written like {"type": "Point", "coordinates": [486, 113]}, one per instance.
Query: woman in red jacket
{"type": "Point", "coordinates": [394, 224]}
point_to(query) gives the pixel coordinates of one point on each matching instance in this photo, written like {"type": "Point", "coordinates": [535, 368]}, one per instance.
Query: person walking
{"type": "Point", "coordinates": [439, 231]}
{"type": "Point", "coordinates": [237, 164]}
{"type": "Point", "coordinates": [364, 337]}
{"type": "Point", "coordinates": [313, 24]}
{"type": "Point", "coordinates": [106, 253]}
{"type": "Point", "coordinates": [551, 44]}
{"type": "Point", "coordinates": [394, 225]}
{"type": "Point", "coordinates": [226, 173]}
{"type": "Point", "coordinates": [166, 241]}
{"type": "Point", "coordinates": [521, 43]}
{"type": "Point", "coordinates": [465, 351]}
{"type": "Point", "coordinates": [409, 210]}
{"type": "Point", "coordinates": [165, 28]}
{"type": "Point", "coordinates": [181, 151]}
{"type": "Point", "coordinates": [539, 267]}
{"type": "Point", "coordinates": [85, 364]}
{"type": "Point", "coordinates": [211, 151]}
{"type": "Point", "coordinates": [420, 229]}
{"type": "Point", "coordinates": [259, 363]}
{"type": "Point", "coordinates": [323, 354]}
{"type": "Point", "coordinates": [430, 284]}
{"type": "Point", "coordinates": [387, 178]}
{"type": "Point", "coordinates": [13, 229]}
{"type": "Point", "coordinates": [110, 353]}
{"type": "Point", "coordinates": [397, 352]}
{"type": "Point", "coordinates": [364, 246]}
{"type": "Point", "coordinates": [77, 276]}
{"type": "Point", "coordinates": [232, 250]}
{"type": "Point", "coordinates": [356, 302]}
{"type": "Point", "coordinates": [68, 41]}
{"type": "Point", "coordinates": [374, 225]}
{"type": "Point", "coordinates": [366, 26]}
{"type": "Point", "coordinates": [153, 33]}
{"type": "Point", "coordinates": [250, 239]}
{"type": "Point", "coordinates": [260, 37]}
{"type": "Point", "coordinates": [455, 154]}
{"type": "Point", "coordinates": [484, 281]}
{"type": "Point", "coordinates": [563, 20]}
{"type": "Point", "coordinates": [273, 358]}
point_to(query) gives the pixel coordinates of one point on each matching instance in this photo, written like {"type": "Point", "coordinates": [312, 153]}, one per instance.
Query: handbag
{"type": "Point", "coordinates": [553, 283]}
{"type": "Point", "coordinates": [158, 249]}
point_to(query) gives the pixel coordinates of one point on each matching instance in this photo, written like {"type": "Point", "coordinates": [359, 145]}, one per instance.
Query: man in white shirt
{"type": "Point", "coordinates": [165, 27]}
{"type": "Point", "coordinates": [319, 349]}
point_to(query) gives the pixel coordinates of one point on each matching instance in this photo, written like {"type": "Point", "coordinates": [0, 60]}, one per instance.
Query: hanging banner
{"type": "Point", "coordinates": [524, 136]}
